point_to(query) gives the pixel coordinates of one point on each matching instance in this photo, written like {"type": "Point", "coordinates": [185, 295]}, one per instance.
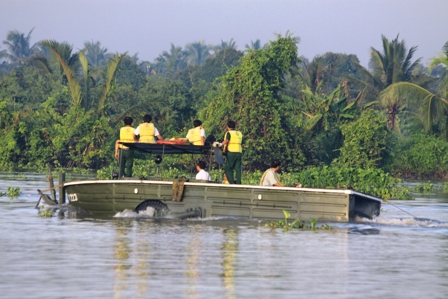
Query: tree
{"type": "Point", "coordinates": [231, 44]}
{"type": "Point", "coordinates": [392, 66]}
{"type": "Point", "coordinates": [314, 73]}
{"type": "Point", "coordinates": [67, 62]}
{"type": "Point", "coordinates": [250, 96]}
{"type": "Point", "coordinates": [442, 60]}
{"type": "Point", "coordinates": [18, 45]}
{"type": "Point", "coordinates": [254, 45]}
{"type": "Point", "coordinates": [175, 59]}
{"type": "Point", "coordinates": [95, 54]}
{"type": "Point", "coordinates": [197, 52]}
{"type": "Point", "coordinates": [431, 107]}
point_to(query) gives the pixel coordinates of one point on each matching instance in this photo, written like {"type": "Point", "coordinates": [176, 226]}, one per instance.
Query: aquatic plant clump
{"type": "Point", "coordinates": [286, 225]}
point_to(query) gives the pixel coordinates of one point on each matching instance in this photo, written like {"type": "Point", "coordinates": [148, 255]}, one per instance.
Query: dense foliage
{"type": "Point", "coordinates": [332, 122]}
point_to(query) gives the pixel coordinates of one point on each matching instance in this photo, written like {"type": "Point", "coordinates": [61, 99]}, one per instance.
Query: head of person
{"type": "Point", "coordinates": [147, 118]}
{"type": "Point", "coordinates": [197, 123]}
{"type": "Point", "coordinates": [275, 164]}
{"type": "Point", "coordinates": [201, 165]}
{"type": "Point", "coordinates": [128, 121]}
{"type": "Point", "coordinates": [231, 125]}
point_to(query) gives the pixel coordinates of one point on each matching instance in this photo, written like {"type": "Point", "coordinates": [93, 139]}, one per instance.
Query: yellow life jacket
{"type": "Point", "coordinates": [194, 136]}
{"type": "Point", "coordinates": [147, 133]}
{"type": "Point", "coordinates": [126, 135]}
{"type": "Point", "coordinates": [234, 145]}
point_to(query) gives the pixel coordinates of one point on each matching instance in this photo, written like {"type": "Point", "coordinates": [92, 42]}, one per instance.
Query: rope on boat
{"type": "Point", "coordinates": [400, 209]}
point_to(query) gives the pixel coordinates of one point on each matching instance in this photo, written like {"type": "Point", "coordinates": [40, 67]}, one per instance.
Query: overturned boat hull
{"type": "Point", "coordinates": [107, 197]}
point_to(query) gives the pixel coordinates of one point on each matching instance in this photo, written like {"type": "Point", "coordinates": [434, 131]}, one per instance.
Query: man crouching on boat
{"type": "Point", "coordinates": [202, 174]}
{"type": "Point", "coordinates": [270, 177]}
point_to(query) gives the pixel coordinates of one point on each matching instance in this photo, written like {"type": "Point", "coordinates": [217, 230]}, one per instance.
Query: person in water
{"type": "Point", "coordinates": [146, 131]}
{"type": "Point", "coordinates": [270, 177]}
{"type": "Point", "coordinates": [124, 154]}
{"type": "Point", "coordinates": [202, 174]}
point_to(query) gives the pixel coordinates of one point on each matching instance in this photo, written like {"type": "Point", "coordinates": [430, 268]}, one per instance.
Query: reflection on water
{"type": "Point", "coordinates": [229, 250]}
{"type": "Point", "coordinates": [132, 256]}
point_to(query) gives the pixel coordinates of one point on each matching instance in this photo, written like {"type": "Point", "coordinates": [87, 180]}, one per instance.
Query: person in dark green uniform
{"type": "Point", "coordinates": [233, 141]}
{"type": "Point", "coordinates": [124, 154]}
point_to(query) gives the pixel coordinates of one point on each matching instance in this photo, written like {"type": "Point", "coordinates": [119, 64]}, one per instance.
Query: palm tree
{"type": "Point", "coordinates": [95, 54]}
{"type": "Point", "coordinates": [174, 60]}
{"type": "Point", "coordinates": [392, 66]}
{"type": "Point", "coordinates": [67, 61]}
{"type": "Point", "coordinates": [432, 108]}
{"type": "Point", "coordinates": [442, 59]}
{"type": "Point", "coordinates": [197, 52]}
{"type": "Point", "coordinates": [62, 52]}
{"type": "Point", "coordinates": [313, 74]}
{"type": "Point", "coordinates": [254, 45]}
{"type": "Point", "coordinates": [18, 47]}
{"type": "Point", "coordinates": [231, 44]}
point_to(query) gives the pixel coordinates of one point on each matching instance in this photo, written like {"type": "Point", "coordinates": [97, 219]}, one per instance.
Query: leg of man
{"type": "Point", "coordinates": [229, 166]}
{"type": "Point", "coordinates": [129, 162]}
{"type": "Point", "coordinates": [237, 167]}
{"type": "Point", "coordinates": [122, 162]}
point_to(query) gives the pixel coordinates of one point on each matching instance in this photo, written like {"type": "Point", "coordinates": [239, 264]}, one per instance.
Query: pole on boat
{"type": "Point", "coordinates": [61, 188]}
{"type": "Point", "coordinates": [51, 182]}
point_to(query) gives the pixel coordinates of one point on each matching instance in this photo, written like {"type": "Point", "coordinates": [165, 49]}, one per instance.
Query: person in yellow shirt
{"type": "Point", "coordinates": [233, 141]}
{"type": "Point", "coordinates": [196, 136]}
{"type": "Point", "coordinates": [124, 154]}
{"type": "Point", "coordinates": [146, 131]}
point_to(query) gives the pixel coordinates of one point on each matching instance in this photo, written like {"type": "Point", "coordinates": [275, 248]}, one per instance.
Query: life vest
{"type": "Point", "coordinates": [147, 133]}
{"type": "Point", "coordinates": [194, 136]}
{"type": "Point", "coordinates": [234, 145]}
{"type": "Point", "coordinates": [126, 135]}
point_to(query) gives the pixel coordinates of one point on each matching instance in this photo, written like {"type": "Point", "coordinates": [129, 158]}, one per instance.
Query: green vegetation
{"type": "Point", "coordinates": [332, 122]}
{"type": "Point", "coordinates": [286, 225]}
{"type": "Point", "coordinates": [13, 192]}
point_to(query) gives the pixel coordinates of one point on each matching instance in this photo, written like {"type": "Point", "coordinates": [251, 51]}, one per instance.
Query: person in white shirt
{"type": "Point", "coordinates": [202, 174]}
{"type": "Point", "coordinates": [270, 177]}
{"type": "Point", "coordinates": [146, 131]}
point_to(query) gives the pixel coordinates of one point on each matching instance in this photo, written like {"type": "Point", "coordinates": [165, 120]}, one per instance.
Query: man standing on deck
{"type": "Point", "coordinates": [146, 131]}
{"type": "Point", "coordinates": [124, 154]}
{"type": "Point", "coordinates": [233, 141]}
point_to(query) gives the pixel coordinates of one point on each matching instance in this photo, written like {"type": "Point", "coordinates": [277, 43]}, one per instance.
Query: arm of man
{"type": "Point", "coordinates": [157, 134]}
{"type": "Point", "coordinates": [116, 149]}
{"type": "Point", "coordinates": [271, 180]}
{"type": "Point", "coordinates": [226, 139]}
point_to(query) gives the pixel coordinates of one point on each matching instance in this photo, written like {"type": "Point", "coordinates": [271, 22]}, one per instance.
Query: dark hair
{"type": "Point", "coordinates": [231, 124]}
{"type": "Point", "coordinates": [128, 120]}
{"type": "Point", "coordinates": [197, 123]}
{"type": "Point", "coordinates": [147, 118]}
{"type": "Point", "coordinates": [275, 163]}
{"type": "Point", "coordinates": [201, 164]}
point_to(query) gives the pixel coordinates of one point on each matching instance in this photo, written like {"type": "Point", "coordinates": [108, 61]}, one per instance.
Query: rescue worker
{"type": "Point", "coordinates": [196, 136]}
{"type": "Point", "coordinates": [124, 154]}
{"type": "Point", "coordinates": [146, 131]}
{"type": "Point", "coordinates": [233, 148]}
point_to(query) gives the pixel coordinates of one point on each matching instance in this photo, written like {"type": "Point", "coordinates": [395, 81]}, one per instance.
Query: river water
{"type": "Point", "coordinates": [401, 254]}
